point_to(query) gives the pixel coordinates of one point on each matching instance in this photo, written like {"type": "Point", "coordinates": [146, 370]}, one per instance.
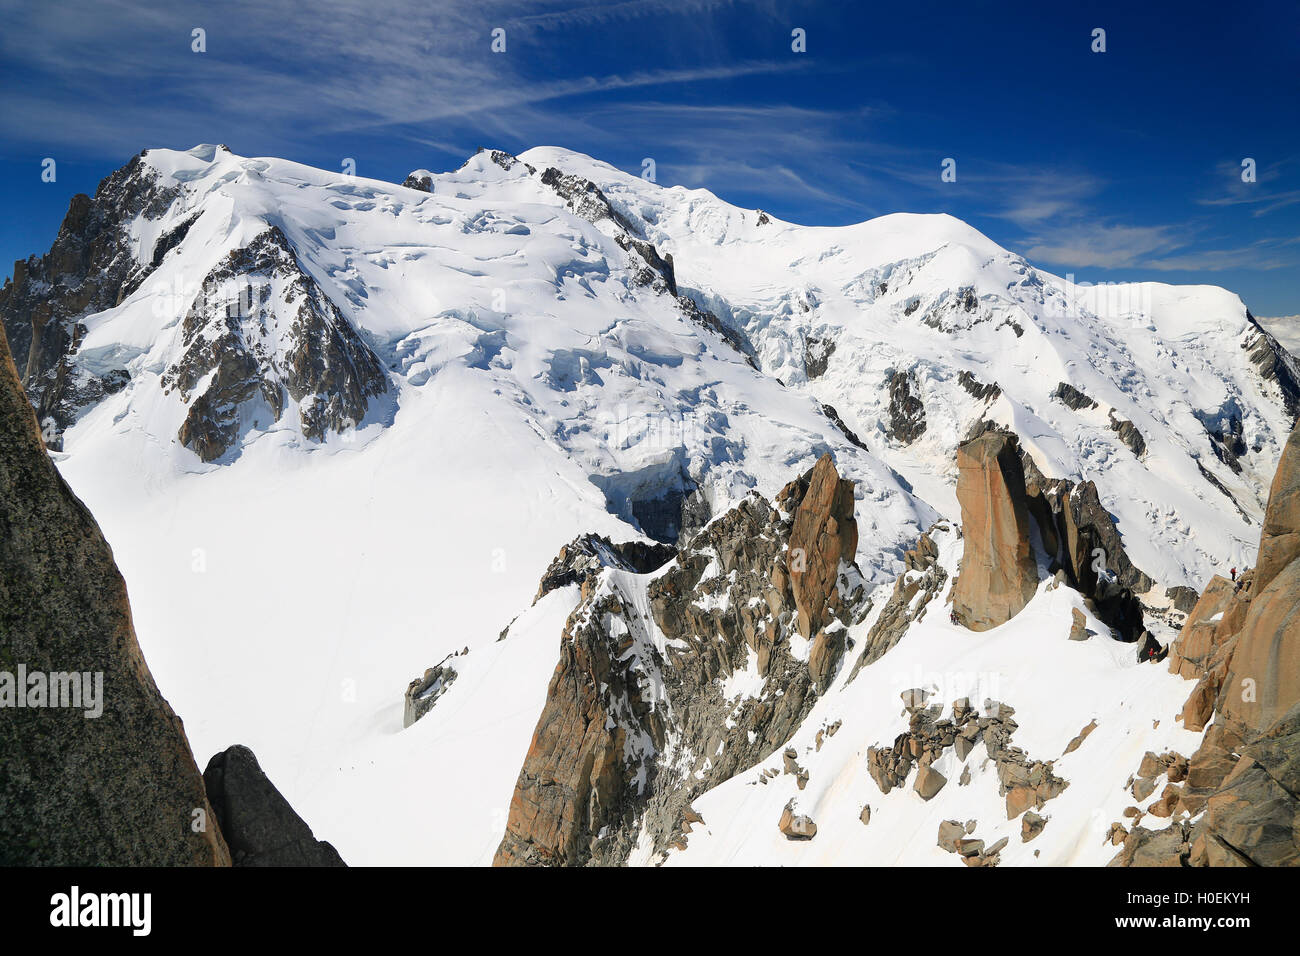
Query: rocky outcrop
{"type": "Point", "coordinates": [96, 770]}
{"type": "Point", "coordinates": [650, 269]}
{"type": "Point", "coordinates": [582, 559]}
{"type": "Point", "coordinates": [998, 571]}
{"type": "Point", "coordinates": [423, 692]}
{"type": "Point", "coordinates": [817, 354]}
{"type": "Point", "coordinates": [1023, 782]}
{"type": "Point", "coordinates": [1128, 433]}
{"type": "Point", "coordinates": [922, 580]}
{"type": "Point", "coordinates": [906, 411]}
{"type": "Point", "coordinates": [1081, 541]}
{"type": "Point", "coordinates": [263, 332]}
{"type": "Point", "coordinates": [1242, 642]}
{"type": "Point", "coordinates": [1216, 616]}
{"type": "Point", "coordinates": [637, 720]}
{"type": "Point", "coordinates": [420, 179]}
{"type": "Point", "coordinates": [1263, 680]}
{"type": "Point", "coordinates": [91, 266]}
{"type": "Point", "coordinates": [1279, 538]}
{"type": "Point", "coordinates": [1071, 397]}
{"type": "Point", "coordinates": [586, 199]}
{"type": "Point", "coordinates": [257, 822]}
{"type": "Point", "coordinates": [984, 391]}
{"type": "Point", "coordinates": [825, 534]}
{"type": "Point", "coordinates": [1275, 365]}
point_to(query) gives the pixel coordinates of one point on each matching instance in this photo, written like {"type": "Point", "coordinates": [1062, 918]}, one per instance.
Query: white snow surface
{"type": "Point", "coordinates": [285, 598]}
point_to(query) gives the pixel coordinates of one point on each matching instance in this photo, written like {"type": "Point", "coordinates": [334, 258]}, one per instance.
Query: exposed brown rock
{"type": "Point", "coordinates": [796, 826]}
{"type": "Point", "coordinates": [825, 533]}
{"type": "Point", "coordinates": [1243, 642]}
{"type": "Point", "coordinates": [598, 763]}
{"type": "Point", "coordinates": [574, 777]}
{"type": "Point", "coordinates": [950, 831]}
{"type": "Point", "coordinates": [1279, 539]}
{"type": "Point", "coordinates": [1031, 824]}
{"type": "Point", "coordinates": [1074, 744]}
{"type": "Point", "coordinates": [998, 571]}
{"type": "Point", "coordinates": [929, 782]}
{"type": "Point", "coordinates": [1216, 616]}
{"type": "Point", "coordinates": [1078, 626]}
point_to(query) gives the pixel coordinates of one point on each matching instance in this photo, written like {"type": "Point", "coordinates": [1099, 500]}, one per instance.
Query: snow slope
{"type": "Point", "coordinates": [1056, 687]}
{"type": "Point", "coordinates": [540, 388]}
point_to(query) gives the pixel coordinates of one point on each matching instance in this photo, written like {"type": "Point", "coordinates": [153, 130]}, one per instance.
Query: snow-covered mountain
{"type": "Point", "coordinates": [336, 430]}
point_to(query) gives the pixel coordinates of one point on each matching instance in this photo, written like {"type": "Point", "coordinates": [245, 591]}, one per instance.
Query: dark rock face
{"type": "Point", "coordinates": [658, 270]}
{"type": "Point", "coordinates": [981, 390]}
{"type": "Point", "coordinates": [817, 356]}
{"type": "Point", "coordinates": [258, 823]}
{"type": "Point", "coordinates": [906, 412]}
{"type": "Point", "coordinates": [1129, 435]}
{"type": "Point", "coordinates": [1071, 397]}
{"type": "Point", "coordinates": [630, 734]}
{"type": "Point", "coordinates": [120, 789]}
{"type": "Point", "coordinates": [264, 329]}
{"type": "Point", "coordinates": [420, 179]}
{"type": "Point", "coordinates": [1183, 598]}
{"type": "Point", "coordinates": [90, 267]}
{"type": "Point", "coordinates": [582, 559]}
{"type": "Point", "coordinates": [830, 412]}
{"type": "Point", "coordinates": [1080, 538]}
{"type": "Point", "coordinates": [586, 199]}
{"type": "Point", "coordinates": [1224, 428]}
{"type": "Point", "coordinates": [1221, 489]}
{"type": "Point", "coordinates": [1275, 364]}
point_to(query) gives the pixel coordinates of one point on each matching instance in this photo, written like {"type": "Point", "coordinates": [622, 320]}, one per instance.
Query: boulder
{"type": "Point", "coordinates": [1031, 824]}
{"type": "Point", "coordinates": [928, 782]}
{"type": "Point", "coordinates": [950, 831]}
{"type": "Point", "coordinates": [796, 826]}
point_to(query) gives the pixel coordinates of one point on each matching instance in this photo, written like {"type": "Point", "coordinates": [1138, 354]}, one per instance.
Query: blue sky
{"type": "Point", "coordinates": [1111, 166]}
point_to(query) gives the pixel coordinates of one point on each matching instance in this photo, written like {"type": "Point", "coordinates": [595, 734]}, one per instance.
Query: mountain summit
{"type": "Point", "coordinates": [337, 429]}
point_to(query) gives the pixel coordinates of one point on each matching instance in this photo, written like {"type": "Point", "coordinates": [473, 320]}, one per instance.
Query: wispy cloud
{"type": "Point", "coordinates": [1261, 194]}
